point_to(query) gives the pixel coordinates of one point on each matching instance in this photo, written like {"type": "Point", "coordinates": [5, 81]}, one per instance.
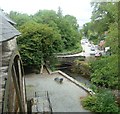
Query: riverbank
{"type": "Point", "coordinates": [78, 77]}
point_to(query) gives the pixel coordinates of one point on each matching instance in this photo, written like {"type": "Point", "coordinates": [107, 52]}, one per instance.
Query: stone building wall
{"type": "Point", "coordinates": [6, 49]}
{"type": "Point", "coordinates": [9, 45]}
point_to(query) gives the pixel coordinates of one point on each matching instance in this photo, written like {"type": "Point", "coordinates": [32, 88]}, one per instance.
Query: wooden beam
{"type": "Point", "coordinates": [20, 76]}
{"type": "Point", "coordinates": [17, 89]}
{"type": "Point", "coordinates": [22, 85]}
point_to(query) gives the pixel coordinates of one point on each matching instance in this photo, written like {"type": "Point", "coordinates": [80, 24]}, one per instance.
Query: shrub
{"type": "Point", "coordinates": [103, 101]}
{"type": "Point", "coordinates": [81, 67]}
{"type": "Point", "coordinates": [104, 72]}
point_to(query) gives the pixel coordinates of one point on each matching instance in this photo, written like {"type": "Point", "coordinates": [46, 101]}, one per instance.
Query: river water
{"type": "Point", "coordinates": [87, 52]}
{"type": "Point", "coordinates": [78, 77]}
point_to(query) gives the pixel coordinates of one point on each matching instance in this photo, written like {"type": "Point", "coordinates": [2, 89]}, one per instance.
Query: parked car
{"type": "Point", "coordinates": [89, 45]}
{"type": "Point", "coordinates": [96, 46]}
{"type": "Point", "coordinates": [92, 49]}
{"type": "Point", "coordinates": [84, 40]}
{"type": "Point", "coordinates": [82, 43]}
{"type": "Point", "coordinates": [92, 52]}
{"type": "Point", "coordinates": [98, 54]}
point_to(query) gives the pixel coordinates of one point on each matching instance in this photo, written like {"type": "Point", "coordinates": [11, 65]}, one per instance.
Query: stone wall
{"type": "Point", "coordinates": [9, 45]}
{"type": "Point", "coordinates": [0, 77]}
{"type": "Point", "coordinates": [70, 59]}
{"type": "Point", "coordinates": [6, 49]}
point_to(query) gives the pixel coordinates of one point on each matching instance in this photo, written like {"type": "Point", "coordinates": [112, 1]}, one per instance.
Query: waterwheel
{"type": "Point", "coordinates": [14, 95]}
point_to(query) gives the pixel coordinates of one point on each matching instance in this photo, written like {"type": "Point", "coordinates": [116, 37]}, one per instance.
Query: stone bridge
{"type": "Point", "coordinates": [70, 58]}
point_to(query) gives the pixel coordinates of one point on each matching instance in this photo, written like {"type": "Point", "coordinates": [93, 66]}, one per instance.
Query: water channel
{"type": "Point", "coordinates": [78, 77]}
{"type": "Point", "coordinates": [87, 48]}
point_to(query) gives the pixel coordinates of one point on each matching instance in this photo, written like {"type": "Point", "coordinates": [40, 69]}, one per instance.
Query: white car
{"type": "Point", "coordinates": [92, 52]}
{"type": "Point", "coordinates": [89, 45]}
{"type": "Point", "coordinates": [98, 54]}
{"type": "Point", "coordinates": [83, 41]}
{"type": "Point", "coordinates": [92, 49]}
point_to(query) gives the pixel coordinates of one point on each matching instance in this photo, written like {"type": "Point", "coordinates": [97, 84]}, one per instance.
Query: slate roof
{"type": "Point", "coordinates": [7, 30]}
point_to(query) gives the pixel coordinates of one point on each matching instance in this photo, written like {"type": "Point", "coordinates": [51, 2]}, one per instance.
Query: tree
{"type": "Point", "coordinates": [104, 14]}
{"type": "Point", "coordinates": [69, 34]}
{"type": "Point", "coordinates": [66, 25]}
{"type": "Point", "coordinates": [112, 38]}
{"type": "Point", "coordinates": [59, 12]}
{"type": "Point", "coordinates": [72, 21]}
{"type": "Point", "coordinates": [19, 18]}
{"type": "Point", "coordinates": [38, 43]}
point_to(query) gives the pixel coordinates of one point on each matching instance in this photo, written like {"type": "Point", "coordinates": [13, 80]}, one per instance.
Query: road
{"type": "Point", "coordinates": [87, 50]}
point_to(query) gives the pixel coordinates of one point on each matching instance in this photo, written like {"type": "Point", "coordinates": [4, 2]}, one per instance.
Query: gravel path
{"type": "Point", "coordinates": [64, 97]}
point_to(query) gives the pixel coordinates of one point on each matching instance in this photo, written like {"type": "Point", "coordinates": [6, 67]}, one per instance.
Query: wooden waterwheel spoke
{"type": "Point", "coordinates": [20, 76]}
{"type": "Point", "coordinates": [17, 89]}
{"type": "Point", "coordinates": [21, 81]}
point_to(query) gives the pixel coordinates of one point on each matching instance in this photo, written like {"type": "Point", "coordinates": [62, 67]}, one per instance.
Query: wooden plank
{"type": "Point", "coordinates": [22, 85]}
{"type": "Point", "coordinates": [34, 108]}
{"type": "Point", "coordinates": [20, 75]}
{"type": "Point", "coordinates": [24, 94]}
{"type": "Point", "coordinates": [0, 107]}
{"type": "Point", "coordinates": [17, 89]}
{"type": "Point", "coordinates": [14, 103]}
{"type": "Point", "coordinates": [41, 103]}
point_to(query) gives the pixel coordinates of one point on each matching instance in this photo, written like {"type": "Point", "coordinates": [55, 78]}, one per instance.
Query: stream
{"type": "Point", "coordinates": [78, 77]}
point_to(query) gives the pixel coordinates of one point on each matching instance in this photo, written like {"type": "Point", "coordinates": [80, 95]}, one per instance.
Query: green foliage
{"type": "Point", "coordinates": [81, 67]}
{"type": "Point", "coordinates": [19, 18]}
{"type": "Point", "coordinates": [89, 103]}
{"type": "Point", "coordinates": [103, 101]}
{"type": "Point", "coordinates": [69, 34]}
{"type": "Point", "coordinates": [66, 25]}
{"type": "Point", "coordinates": [59, 12]}
{"type": "Point", "coordinates": [38, 43]}
{"type": "Point", "coordinates": [104, 17]}
{"type": "Point", "coordinates": [45, 33]}
{"type": "Point", "coordinates": [105, 72]}
{"type": "Point", "coordinates": [112, 38]}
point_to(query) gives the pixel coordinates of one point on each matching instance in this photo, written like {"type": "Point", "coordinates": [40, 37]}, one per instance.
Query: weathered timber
{"type": "Point", "coordinates": [41, 103]}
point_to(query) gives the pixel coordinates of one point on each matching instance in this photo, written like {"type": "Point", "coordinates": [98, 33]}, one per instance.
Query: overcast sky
{"type": "Point", "coordinates": [81, 9]}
